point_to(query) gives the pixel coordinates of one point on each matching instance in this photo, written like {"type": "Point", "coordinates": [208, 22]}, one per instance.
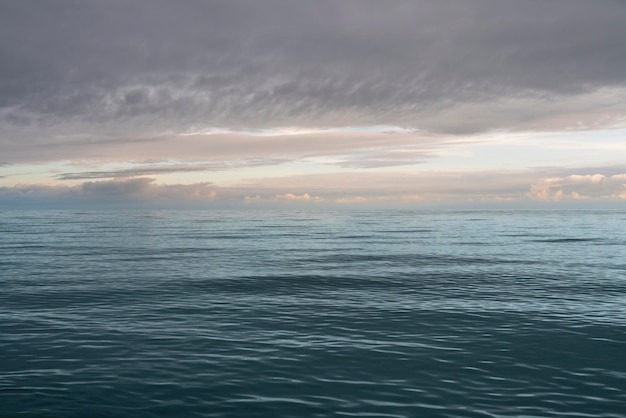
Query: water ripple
{"type": "Point", "coordinates": [194, 314]}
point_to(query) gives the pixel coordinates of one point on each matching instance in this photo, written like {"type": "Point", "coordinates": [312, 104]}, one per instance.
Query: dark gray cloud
{"type": "Point", "coordinates": [130, 172]}
{"type": "Point", "coordinates": [148, 170]}
{"type": "Point", "coordinates": [126, 66]}
{"type": "Point", "coordinates": [135, 192]}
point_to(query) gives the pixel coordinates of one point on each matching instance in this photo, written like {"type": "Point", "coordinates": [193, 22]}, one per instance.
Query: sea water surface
{"type": "Point", "coordinates": [313, 314]}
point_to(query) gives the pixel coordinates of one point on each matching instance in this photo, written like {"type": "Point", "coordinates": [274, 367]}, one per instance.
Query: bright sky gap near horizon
{"type": "Point", "coordinates": [325, 103]}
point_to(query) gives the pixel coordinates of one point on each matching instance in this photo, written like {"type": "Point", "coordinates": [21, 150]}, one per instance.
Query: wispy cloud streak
{"type": "Point", "coordinates": [168, 169]}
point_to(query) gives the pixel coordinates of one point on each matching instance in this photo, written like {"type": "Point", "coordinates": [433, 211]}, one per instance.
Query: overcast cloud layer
{"type": "Point", "coordinates": [84, 78]}
{"type": "Point", "coordinates": [247, 64]}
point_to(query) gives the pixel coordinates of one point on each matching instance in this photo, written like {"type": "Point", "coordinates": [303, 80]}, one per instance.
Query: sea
{"type": "Point", "coordinates": [406, 313]}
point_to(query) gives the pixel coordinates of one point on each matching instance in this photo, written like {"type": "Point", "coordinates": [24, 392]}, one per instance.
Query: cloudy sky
{"type": "Point", "coordinates": [310, 103]}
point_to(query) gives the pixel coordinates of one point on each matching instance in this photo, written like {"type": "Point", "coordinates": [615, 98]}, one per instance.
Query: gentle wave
{"type": "Point", "coordinates": [325, 314]}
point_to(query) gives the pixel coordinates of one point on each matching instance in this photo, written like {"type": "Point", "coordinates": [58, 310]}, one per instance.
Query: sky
{"type": "Point", "coordinates": [313, 103]}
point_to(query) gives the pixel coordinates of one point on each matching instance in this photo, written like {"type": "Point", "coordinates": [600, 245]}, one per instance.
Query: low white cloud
{"type": "Point", "coordinates": [580, 187]}
{"type": "Point", "coordinates": [513, 188]}
{"type": "Point", "coordinates": [252, 199]}
{"type": "Point", "coordinates": [351, 200]}
{"type": "Point", "coordinates": [402, 198]}
{"type": "Point", "coordinates": [290, 197]}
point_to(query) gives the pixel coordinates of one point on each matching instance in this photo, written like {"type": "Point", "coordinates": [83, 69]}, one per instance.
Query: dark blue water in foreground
{"type": "Point", "coordinates": [328, 314]}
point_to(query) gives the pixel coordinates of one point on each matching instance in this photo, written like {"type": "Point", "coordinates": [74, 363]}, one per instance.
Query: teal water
{"type": "Point", "coordinates": [312, 314]}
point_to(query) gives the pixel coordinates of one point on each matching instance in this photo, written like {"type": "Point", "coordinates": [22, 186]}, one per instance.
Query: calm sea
{"type": "Point", "coordinates": [313, 314]}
